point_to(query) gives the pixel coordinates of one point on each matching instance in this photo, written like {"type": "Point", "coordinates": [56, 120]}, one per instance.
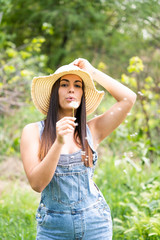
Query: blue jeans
{"type": "Point", "coordinates": [72, 207]}
{"type": "Point", "coordinates": [92, 223]}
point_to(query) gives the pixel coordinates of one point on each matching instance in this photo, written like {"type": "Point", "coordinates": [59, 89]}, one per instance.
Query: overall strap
{"type": "Point", "coordinates": [90, 142]}
{"type": "Point", "coordinates": [41, 127]}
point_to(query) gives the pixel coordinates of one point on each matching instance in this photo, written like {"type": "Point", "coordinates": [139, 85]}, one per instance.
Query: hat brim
{"type": "Point", "coordinates": [41, 89]}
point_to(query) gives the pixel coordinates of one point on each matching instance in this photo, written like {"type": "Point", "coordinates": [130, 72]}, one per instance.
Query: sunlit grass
{"type": "Point", "coordinates": [17, 213]}
{"type": "Point", "coordinates": [133, 194]}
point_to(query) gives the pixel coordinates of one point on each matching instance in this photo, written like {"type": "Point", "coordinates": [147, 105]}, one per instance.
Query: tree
{"type": "Point", "coordinates": [109, 30]}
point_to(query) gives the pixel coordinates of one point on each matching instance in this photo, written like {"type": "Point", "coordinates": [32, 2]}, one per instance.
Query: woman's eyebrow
{"type": "Point", "coordinates": [64, 80]}
{"type": "Point", "coordinates": [78, 81]}
{"type": "Point", "coordinates": [68, 80]}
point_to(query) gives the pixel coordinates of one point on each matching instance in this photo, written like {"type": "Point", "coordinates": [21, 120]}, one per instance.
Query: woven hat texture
{"type": "Point", "coordinates": [41, 88]}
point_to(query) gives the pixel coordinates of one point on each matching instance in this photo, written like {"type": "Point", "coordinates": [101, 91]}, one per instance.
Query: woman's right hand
{"type": "Point", "coordinates": [64, 126]}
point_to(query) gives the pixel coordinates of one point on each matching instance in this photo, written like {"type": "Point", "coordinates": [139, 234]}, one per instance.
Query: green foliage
{"type": "Point", "coordinates": [112, 30]}
{"type": "Point", "coordinates": [35, 38]}
{"type": "Point", "coordinates": [135, 65]}
{"type": "Point", "coordinates": [133, 195]}
{"type": "Point", "coordinates": [139, 133]}
{"type": "Point", "coordinates": [17, 214]}
{"type": "Point", "coordinates": [19, 66]}
{"type": "Point", "coordinates": [11, 129]}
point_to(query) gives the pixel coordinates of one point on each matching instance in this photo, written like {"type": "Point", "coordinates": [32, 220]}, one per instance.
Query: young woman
{"type": "Point", "coordinates": [59, 153]}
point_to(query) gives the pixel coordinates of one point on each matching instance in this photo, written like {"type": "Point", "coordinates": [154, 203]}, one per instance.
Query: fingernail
{"type": "Point", "coordinates": [76, 124]}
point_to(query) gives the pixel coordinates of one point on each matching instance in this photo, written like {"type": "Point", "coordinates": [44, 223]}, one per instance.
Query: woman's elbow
{"type": "Point", "coordinates": [134, 97]}
{"type": "Point", "coordinates": [36, 186]}
{"type": "Point", "coordinates": [131, 99]}
{"type": "Point", "coordinates": [37, 189]}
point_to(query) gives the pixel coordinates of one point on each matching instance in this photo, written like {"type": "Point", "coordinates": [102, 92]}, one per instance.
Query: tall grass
{"type": "Point", "coordinates": [133, 194]}
{"type": "Point", "coordinates": [17, 213]}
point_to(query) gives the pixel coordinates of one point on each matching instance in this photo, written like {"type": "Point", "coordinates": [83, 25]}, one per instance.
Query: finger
{"type": "Point", "coordinates": [67, 118]}
{"type": "Point", "coordinates": [75, 62]}
{"type": "Point", "coordinates": [70, 123]}
{"type": "Point", "coordinates": [66, 121]}
{"type": "Point", "coordinates": [66, 126]}
{"type": "Point", "coordinates": [78, 62]}
{"type": "Point", "coordinates": [64, 132]}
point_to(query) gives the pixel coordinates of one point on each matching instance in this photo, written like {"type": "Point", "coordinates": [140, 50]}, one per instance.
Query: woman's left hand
{"type": "Point", "coordinates": [83, 64]}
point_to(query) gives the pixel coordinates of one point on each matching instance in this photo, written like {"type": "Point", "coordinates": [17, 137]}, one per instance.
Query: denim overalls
{"type": "Point", "coordinates": [72, 207]}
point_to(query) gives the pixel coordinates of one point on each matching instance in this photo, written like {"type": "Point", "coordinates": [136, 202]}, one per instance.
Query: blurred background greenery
{"type": "Point", "coordinates": [122, 39]}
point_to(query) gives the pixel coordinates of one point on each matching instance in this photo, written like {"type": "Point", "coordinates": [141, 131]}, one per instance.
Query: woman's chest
{"type": "Point", "coordinates": [70, 146]}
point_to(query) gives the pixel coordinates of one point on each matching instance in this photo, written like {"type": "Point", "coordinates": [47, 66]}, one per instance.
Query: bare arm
{"type": "Point", "coordinates": [40, 173]}
{"type": "Point", "coordinates": [104, 124]}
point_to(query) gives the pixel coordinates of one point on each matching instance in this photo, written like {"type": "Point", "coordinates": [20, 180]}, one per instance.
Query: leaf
{"type": "Point", "coordinates": [152, 234]}
{"type": "Point", "coordinates": [154, 204]}
{"type": "Point", "coordinates": [16, 142]}
{"type": "Point", "coordinates": [138, 169]}
{"type": "Point", "coordinates": [117, 220]}
{"type": "Point", "coordinates": [25, 54]}
{"type": "Point", "coordinates": [9, 69]}
{"type": "Point", "coordinates": [13, 80]}
{"type": "Point", "coordinates": [148, 79]}
{"type": "Point", "coordinates": [48, 28]}
{"type": "Point", "coordinates": [133, 207]}
{"type": "Point", "coordinates": [146, 161]}
{"type": "Point", "coordinates": [135, 65]}
{"type": "Point", "coordinates": [129, 230]}
{"type": "Point", "coordinates": [25, 73]}
{"type": "Point", "coordinates": [133, 82]}
{"type": "Point", "coordinates": [125, 78]}
{"type": "Point", "coordinates": [102, 66]}
{"type": "Point", "coordinates": [11, 52]}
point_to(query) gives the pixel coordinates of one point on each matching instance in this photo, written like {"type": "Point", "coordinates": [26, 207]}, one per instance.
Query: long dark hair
{"type": "Point", "coordinates": [49, 133]}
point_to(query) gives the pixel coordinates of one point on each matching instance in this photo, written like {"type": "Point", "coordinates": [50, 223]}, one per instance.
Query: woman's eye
{"type": "Point", "coordinates": [77, 86]}
{"type": "Point", "coordinates": [64, 85]}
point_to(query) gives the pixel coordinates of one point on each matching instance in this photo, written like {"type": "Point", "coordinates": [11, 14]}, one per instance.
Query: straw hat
{"type": "Point", "coordinates": [41, 88]}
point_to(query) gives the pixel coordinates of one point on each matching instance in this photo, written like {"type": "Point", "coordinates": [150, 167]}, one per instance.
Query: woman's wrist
{"type": "Point", "coordinates": [59, 140]}
{"type": "Point", "coordinates": [93, 71]}
{"type": "Point", "coordinates": [58, 143]}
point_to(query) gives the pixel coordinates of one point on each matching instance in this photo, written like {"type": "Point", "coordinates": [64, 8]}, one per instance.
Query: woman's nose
{"type": "Point", "coordinates": [71, 88]}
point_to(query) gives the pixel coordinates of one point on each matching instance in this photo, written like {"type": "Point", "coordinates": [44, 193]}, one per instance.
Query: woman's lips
{"type": "Point", "coordinates": [70, 99]}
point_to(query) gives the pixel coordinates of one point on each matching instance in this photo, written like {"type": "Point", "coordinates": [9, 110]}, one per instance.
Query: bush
{"type": "Point", "coordinates": [132, 192]}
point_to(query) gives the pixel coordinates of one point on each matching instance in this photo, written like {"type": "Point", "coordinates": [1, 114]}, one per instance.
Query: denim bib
{"type": "Point", "coordinates": [72, 192]}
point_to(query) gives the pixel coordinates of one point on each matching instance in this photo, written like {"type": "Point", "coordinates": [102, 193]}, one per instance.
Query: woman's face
{"type": "Point", "coordinates": [70, 90]}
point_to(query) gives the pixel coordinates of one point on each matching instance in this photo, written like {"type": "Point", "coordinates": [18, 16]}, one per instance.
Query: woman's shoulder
{"type": "Point", "coordinates": [31, 126]}
{"type": "Point", "coordinates": [31, 129]}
